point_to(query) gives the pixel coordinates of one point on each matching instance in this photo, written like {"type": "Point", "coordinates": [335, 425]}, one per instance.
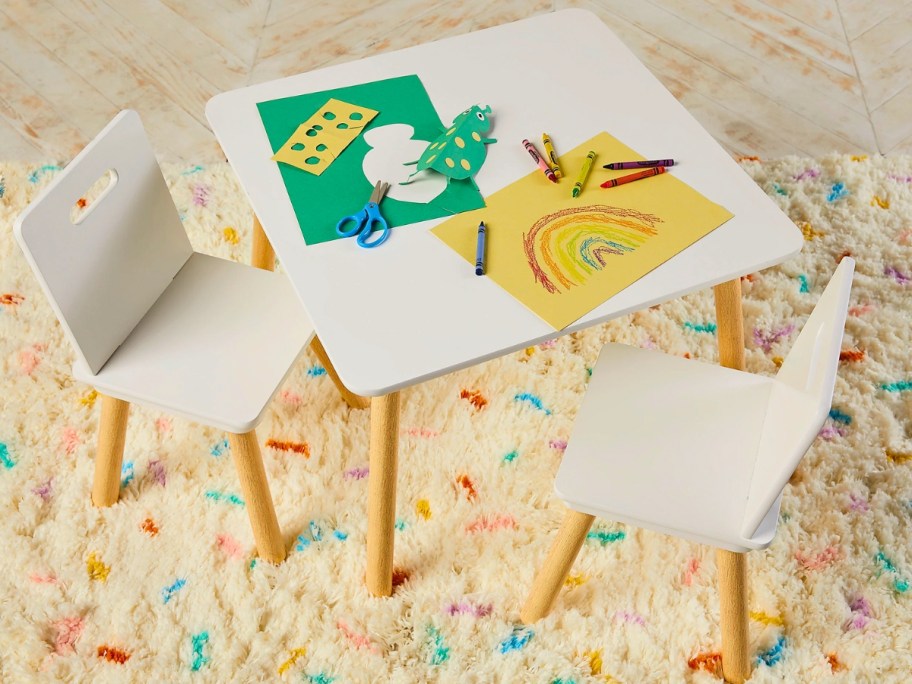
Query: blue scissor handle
{"type": "Point", "coordinates": [366, 222]}
{"type": "Point", "coordinates": [358, 219]}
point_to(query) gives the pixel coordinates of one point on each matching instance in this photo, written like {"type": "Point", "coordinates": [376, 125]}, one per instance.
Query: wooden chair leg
{"type": "Point", "coordinates": [354, 400]}
{"type": "Point", "coordinates": [551, 577]}
{"type": "Point", "coordinates": [381, 496]}
{"type": "Point", "coordinates": [248, 461]}
{"type": "Point", "coordinates": [262, 255]}
{"type": "Point", "coordinates": [112, 433]}
{"type": "Point", "coordinates": [732, 568]}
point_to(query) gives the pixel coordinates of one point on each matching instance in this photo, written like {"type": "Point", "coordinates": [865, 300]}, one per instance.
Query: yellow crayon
{"type": "Point", "coordinates": [583, 174]}
{"type": "Point", "coordinates": [551, 155]}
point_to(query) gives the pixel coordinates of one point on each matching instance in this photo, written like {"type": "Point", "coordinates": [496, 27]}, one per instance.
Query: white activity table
{"type": "Point", "coordinates": [412, 309]}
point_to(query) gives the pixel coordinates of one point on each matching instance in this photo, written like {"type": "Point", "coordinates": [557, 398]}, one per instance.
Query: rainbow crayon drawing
{"type": "Point", "coordinates": [617, 166]}
{"type": "Point", "coordinates": [542, 164]}
{"type": "Point", "coordinates": [631, 177]}
{"type": "Point", "coordinates": [566, 248]}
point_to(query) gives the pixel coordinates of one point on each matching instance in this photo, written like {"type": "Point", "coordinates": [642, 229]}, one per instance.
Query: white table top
{"type": "Point", "coordinates": [413, 309]}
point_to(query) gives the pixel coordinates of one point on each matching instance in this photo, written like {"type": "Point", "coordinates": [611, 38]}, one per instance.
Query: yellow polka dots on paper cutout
{"type": "Point", "coordinates": [449, 162]}
{"type": "Point", "coordinates": [459, 141]}
{"type": "Point", "coordinates": [465, 164]}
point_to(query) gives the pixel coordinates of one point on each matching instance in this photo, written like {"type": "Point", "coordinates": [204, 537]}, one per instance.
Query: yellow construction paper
{"type": "Point", "coordinates": [319, 140]}
{"type": "Point", "coordinates": [563, 256]}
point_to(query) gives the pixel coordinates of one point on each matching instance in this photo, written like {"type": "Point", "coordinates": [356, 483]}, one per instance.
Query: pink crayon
{"type": "Point", "coordinates": [542, 164]}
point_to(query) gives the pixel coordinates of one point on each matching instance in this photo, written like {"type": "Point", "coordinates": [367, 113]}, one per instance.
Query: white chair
{"type": "Point", "coordinates": [692, 449]}
{"type": "Point", "coordinates": [155, 323]}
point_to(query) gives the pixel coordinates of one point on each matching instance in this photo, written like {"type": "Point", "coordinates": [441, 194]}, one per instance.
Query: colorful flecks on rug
{"type": "Point", "coordinates": [165, 585]}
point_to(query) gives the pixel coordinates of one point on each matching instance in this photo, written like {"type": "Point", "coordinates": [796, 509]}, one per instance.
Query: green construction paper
{"type": "Point", "coordinates": [342, 189]}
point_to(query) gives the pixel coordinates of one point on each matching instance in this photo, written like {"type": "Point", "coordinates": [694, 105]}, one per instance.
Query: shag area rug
{"type": "Point", "coordinates": [165, 587]}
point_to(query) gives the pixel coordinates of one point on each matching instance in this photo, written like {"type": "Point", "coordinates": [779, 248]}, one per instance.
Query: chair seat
{"type": "Point", "coordinates": [679, 461]}
{"type": "Point", "coordinates": [213, 348]}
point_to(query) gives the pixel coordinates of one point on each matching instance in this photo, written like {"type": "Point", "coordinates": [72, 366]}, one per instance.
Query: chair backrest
{"type": "Point", "coordinates": [105, 271]}
{"type": "Point", "coordinates": [800, 398]}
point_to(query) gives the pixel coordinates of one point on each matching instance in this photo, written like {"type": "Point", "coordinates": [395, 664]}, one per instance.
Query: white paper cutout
{"type": "Point", "coordinates": [391, 147]}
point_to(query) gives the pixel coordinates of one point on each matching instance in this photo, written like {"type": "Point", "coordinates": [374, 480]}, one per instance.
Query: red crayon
{"type": "Point", "coordinates": [629, 178]}
{"type": "Point", "coordinates": [542, 164]}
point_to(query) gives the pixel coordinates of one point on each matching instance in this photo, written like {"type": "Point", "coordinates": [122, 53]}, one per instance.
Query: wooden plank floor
{"type": "Point", "coordinates": [765, 77]}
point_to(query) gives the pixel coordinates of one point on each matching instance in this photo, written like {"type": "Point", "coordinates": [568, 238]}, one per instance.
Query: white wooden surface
{"type": "Point", "coordinates": [802, 395]}
{"type": "Point", "coordinates": [153, 322]}
{"type": "Point", "coordinates": [103, 274]}
{"type": "Point", "coordinates": [214, 348]}
{"type": "Point", "coordinates": [413, 309]}
{"type": "Point", "coordinates": [696, 450]}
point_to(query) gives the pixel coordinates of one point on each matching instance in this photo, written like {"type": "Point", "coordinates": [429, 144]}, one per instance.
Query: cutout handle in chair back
{"type": "Point", "coordinates": [800, 398]}
{"type": "Point", "coordinates": [104, 271]}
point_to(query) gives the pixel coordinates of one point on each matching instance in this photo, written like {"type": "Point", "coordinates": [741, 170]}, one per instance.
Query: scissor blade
{"type": "Point", "coordinates": [380, 190]}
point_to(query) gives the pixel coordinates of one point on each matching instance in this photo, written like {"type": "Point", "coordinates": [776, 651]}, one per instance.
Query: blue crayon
{"type": "Point", "coordinates": [480, 249]}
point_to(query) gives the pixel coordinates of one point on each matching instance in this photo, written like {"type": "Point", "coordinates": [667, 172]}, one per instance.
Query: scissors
{"type": "Point", "coordinates": [367, 220]}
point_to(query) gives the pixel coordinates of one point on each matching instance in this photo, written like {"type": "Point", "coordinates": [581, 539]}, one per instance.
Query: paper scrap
{"type": "Point", "coordinates": [318, 141]}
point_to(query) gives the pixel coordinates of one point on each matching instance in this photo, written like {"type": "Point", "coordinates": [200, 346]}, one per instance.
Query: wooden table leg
{"type": "Point", "coordinates": [732, 567]}
{"type": "Point", "coordinates": [112, 434]}
{"type": "Point", "coordinates": [381, 496]}
{"type": "Point", "coordinates": [354, 400]}
{"type": "Point", "coordinates": [262, 255]}
{"type": "Point", "coordinates": [551, 577]}
{"type": "Point", "coordinates": [729, 324]}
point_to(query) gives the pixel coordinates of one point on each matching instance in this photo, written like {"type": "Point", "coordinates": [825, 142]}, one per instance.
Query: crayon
{"type": "Point", "coordinates": [617, 166]}
{"type": "Point", "coordinates": [630, 177]}
{"type": "Point", "coordinates": [542, 164]}
{"type": "Point", "coordinates": [480, 249]}
{"type": "Point", "coordinates": [551, 155]}
{"type": "Point", "coordinates": [583, 174]}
